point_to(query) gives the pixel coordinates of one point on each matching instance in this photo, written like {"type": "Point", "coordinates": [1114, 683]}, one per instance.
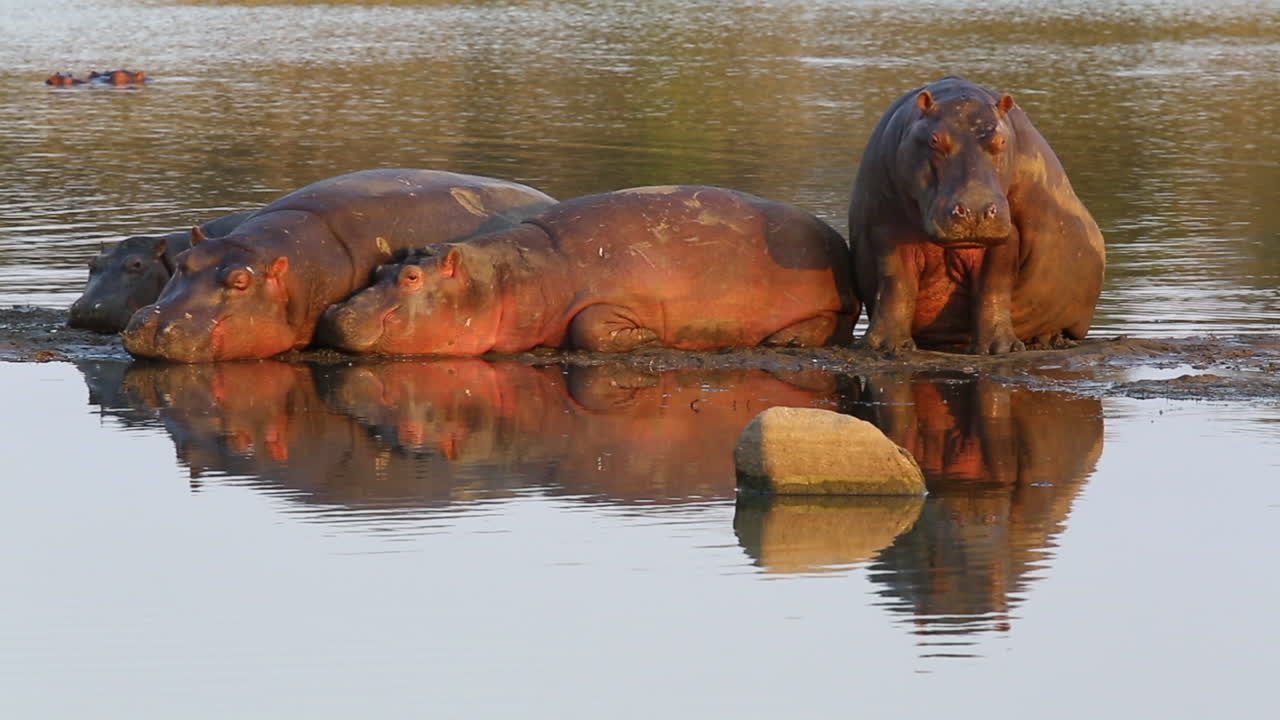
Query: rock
{"type": "Point", "coordinates": [820, 534]}
{"type": "Point", "coordinates": [803, 451]}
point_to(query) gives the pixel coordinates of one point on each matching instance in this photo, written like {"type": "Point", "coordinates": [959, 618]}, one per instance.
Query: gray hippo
{"type": "Point", "coordinates": [260, 289]}
{"type": "Point", "coordinates": [131, 274]}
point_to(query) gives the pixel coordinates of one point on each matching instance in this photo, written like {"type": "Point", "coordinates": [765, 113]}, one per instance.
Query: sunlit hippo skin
{"type": "Point", "coordinates": [260, 289]}
{"type": "Point", "coordinates": [687, 267]}
{"type": "Point", "coordinates": [131, 274]}
{"type": "Point", "coordinates": [965, 229]}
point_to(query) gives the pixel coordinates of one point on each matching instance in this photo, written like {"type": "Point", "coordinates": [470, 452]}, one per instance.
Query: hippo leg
{"type": "Point", "coordinates": [993, 321]}
{"type": "Point", "coordinates": [609, 328]}
{"type": "Point", "coordinates": [811, 332]}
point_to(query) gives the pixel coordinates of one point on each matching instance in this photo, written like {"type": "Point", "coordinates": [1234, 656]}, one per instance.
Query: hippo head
{"type": "Point", "coordinates": [958, 168]}
{"type": "Point", "coordinates": [227, 300]}
{"type": "Point", "coordinates": [439, 301]}
{"type": "Point", "coordinates": [122, 279]}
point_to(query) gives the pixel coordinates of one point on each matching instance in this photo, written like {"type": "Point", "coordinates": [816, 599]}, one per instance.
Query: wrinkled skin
{"type": "Point", "coordinates": [687, 267]}
{"type": "Point", "coordinates": [131, 274]}
{"type": "Point", "coordinates": [259, 290]}
{"type": "Point", "coordinates": [965, 230]}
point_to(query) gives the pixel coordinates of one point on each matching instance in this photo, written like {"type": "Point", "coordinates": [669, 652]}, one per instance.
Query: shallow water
{"type": "Point", "coordinates": [472, 538]}
{"type": "Point", "coordinates": [478, 538]}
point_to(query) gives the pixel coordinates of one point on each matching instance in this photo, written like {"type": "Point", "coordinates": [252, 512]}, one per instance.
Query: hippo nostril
{"type": "Point", "coordinates": [989, 212]}
{"type": "Point", "coordinates": [960, 211]}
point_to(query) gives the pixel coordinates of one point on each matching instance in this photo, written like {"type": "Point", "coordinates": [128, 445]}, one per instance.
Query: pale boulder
{"type": "Point", "coordinates": [805, 451]}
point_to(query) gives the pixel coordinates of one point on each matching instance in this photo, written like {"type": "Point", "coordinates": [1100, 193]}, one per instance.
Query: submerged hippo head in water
{"type": "Point", "coordinates": [259, 290]}
{"type": "Point", "coordinates": [131, 274]}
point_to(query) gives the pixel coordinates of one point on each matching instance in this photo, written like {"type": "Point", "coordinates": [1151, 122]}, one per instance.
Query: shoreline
{"type": "Point", "coordinates": [1215, 368]}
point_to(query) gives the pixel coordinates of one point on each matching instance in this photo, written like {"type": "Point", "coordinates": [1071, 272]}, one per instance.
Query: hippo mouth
{"type": "Point", "coordinates": [968, 243]}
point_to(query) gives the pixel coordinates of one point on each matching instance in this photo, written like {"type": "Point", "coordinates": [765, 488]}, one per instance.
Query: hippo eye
{"type": "Point", "coordinates": [411, 277]}
{"type": "Point", "coordinates": [238, 279]}
{"type": "Point", "coordinates": [134, 264]}
{"type": "Point", "coordinates": [998, 142]}
{"type": "Point", "coordinates": [939, 142]}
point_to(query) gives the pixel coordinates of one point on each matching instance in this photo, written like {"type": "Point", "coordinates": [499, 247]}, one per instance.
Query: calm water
{"type": "Point", "coordinates": [474, 539]}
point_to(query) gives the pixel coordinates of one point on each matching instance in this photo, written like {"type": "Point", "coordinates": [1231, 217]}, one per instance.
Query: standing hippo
{"type": "Point", "coordinates": [965, 230]}
{"type": "Point", "coordinates": [259, 290]}
{"type": "Point", "coordinates": [131, 274]}
{"type": "Point", "coordinates": [686, 267]}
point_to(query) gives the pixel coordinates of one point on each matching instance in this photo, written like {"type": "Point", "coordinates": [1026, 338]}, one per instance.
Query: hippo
{"type": "Point", "coordinates": [61, 80]}
{"type": "Point", "coordinates": [965, 230]}
{"type": "Point", "coordinates": [131, 274]}
{"type": "Point", "coordinates": [687, 267]}
{"type": "Point", "coordinates": [259, 290]}
{"type": "Point", "coordinates": [118, 77]}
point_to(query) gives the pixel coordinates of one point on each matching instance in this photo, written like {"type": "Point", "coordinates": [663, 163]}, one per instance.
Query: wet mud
{"type": "Point", "coordinates": [1211, 368]}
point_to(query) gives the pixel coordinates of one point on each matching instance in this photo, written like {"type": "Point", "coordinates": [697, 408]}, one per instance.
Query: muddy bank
{"type": "Point", "coordinates": [1236, 367]}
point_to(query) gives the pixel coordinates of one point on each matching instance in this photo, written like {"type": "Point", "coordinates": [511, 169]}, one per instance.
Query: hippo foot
{"type": "Point", "coordinates": [1055, 341]}
{"type": "Point", "coordinates": [607, 328]}
{"type": "Point", "coordinates": [887, 343]}
{"type": "Point", "coordinates": [1003, 343]}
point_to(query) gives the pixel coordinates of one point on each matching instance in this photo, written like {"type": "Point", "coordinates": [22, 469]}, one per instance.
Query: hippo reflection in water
{"type": "Point", "coordinates": [1003, 465]}
{"type": "Point", "coordinates": [610, 432]}
{"type": "Point", "coordinates": [409, 436]}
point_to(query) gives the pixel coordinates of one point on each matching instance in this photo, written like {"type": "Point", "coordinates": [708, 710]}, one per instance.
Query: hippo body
{"type": "Point", "coordinates": [260, 289]}
{"type": "Point", "coordinates": [687, 267]}
{"type": "Point", "coordinates": [965, 229]}
{"type": "Point", "coordinates": [131, 274]}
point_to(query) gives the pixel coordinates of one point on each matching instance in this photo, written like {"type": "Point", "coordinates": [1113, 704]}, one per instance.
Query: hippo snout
{"type": "Point", "coordinates": [98, 316]}
{"type": "Point", "coordinates": [984, 222]}
{"type": "Point", "coordinates": [151, 335]}
{"type": "Point", "coordinates": [344, 328]}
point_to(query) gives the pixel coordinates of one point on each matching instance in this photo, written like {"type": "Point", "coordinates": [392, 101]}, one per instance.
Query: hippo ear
{"type": "Point", "coordinates": [452, 263]}
{"type": "Point", "coordinates": [279, 267]}
{"type": "Point", "coordinates": [160, 247]}
{"type": "Point", "coordinates": [1005, 105]}
{"type": "Point", "coordinates": [197, 235]}
{"type": "Point", "coordinates": [924, 101]}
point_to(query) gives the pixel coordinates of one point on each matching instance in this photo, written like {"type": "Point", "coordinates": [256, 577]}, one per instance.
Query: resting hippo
{"type": "Point", "coordinates": [965, 230]}
{"type": "Point", "coordinates": [260, 289]}
{"type": "Point", "coordinates": [687, 267]}
{"type": "Point", "coordinates": [131, 274]}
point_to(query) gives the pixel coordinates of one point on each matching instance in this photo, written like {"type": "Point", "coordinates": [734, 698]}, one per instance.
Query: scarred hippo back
{"type": "Point", "coordinates": [259, 290]}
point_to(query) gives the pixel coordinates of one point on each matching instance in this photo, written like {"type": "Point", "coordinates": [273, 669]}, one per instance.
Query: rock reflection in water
{"type": "Point", "coordinates": [1003, 465]}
